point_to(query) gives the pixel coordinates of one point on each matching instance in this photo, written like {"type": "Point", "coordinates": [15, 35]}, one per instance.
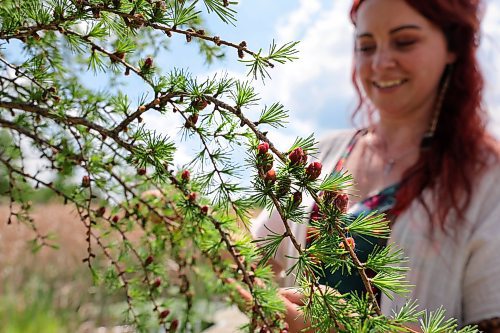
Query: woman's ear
{"type": "Point", "coordinates": [451, 58]}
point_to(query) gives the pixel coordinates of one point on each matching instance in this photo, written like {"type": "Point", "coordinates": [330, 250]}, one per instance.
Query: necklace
{"type": "Point", "coordinates": [390, 161]}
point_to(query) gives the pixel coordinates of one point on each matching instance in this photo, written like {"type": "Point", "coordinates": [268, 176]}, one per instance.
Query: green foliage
{"type": "Point", "coordinates": [258, 65]}
{"type": "Point", "coordinates": [386, 259]}
{"type": "Point", "coordinates": [336, 182]}
{"type": "Point", "coordinates": [245, 94]}
{"type": "Point", "coordinates": [373, 224]}
{"type": "Point", "coordinates": [38, 315]}
{"type": "Point", "coordinates": [183, 14]}
{"type": "Point", "coordinates": [307, 144]}
{"type": "Point", "coordinates": [274, 116]}
{"type": "Point", "coordinates": [268, 246]}
{"type": "Point", "coordinates": [225, 12]}
{"type": "Point", "coordinates": [436, 322]}
{"type": "Point", "coordinates": [172, 236]}
{"type": "Point", "coordinates": [391, 282]}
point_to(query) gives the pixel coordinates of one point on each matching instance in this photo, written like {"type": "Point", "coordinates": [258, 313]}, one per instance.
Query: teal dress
{"type": "Point", "coordinates": [382, 202]}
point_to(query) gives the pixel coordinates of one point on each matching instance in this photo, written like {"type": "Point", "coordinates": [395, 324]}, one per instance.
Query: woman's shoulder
{"type": "Point", "coordinates": [489, 173]}
{"type": "Point", "coordinates": [335, 141]}
{"type": "Point", "coordinates": [336, 136]}
{"type": "Point", "coordinates": [486, 192]}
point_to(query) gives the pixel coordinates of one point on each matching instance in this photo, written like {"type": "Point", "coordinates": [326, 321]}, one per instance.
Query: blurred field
{"type": "Point", "coordinates": [51, 290]}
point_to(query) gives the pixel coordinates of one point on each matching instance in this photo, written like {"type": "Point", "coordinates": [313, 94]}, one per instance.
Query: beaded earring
{"type": "Point", "coordinates": [428, 136]}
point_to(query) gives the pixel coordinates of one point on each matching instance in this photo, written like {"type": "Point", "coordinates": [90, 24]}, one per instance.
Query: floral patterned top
{"type": "Point", "coordinates": [382, 202]}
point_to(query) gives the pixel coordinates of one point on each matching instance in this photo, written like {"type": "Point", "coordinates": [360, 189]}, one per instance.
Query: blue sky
{"type": "Point", "coordinates": [315, 88]}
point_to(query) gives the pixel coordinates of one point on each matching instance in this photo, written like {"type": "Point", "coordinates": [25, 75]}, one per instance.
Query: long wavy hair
{"type": "Point", "coordinates": [461, 147]}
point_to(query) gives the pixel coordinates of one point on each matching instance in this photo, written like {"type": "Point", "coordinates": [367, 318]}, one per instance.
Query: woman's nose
{"type": "Point", "coordinates": [383, 59]}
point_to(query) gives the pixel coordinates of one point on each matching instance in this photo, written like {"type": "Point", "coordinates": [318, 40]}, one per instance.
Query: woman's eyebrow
{"type": "Point", "coordinates": [403, 27]}
{"type": "Point", "coordinates": [392, 31]}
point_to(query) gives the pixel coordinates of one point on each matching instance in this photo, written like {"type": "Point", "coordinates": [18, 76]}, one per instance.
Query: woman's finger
{"type": "Point", "coordinates": [293, 295]}
{"type": "Point", "coordinates": [294, 317]}
{"type": "Point", "coordinates": [245, 294]}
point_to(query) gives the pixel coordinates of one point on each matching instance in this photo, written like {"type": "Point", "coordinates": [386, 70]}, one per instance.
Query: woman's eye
{"type": "Point", "coordinates": [365, 48]}
{"type": "Point", "coordinates": [404, 43]}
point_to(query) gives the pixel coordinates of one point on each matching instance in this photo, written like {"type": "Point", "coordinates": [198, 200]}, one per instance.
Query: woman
{"type": "Point", "coordinates": [425, 157]}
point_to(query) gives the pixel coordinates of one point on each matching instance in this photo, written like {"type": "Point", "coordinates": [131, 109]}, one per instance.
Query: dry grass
{"type": "Point", "coordinates": [15, 250]}
{"type": "Point", "coordinates": [57, 274]}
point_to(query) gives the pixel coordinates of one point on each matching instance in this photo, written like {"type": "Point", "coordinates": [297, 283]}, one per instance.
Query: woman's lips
{"type": "Point", "coordinates": [386, 84]}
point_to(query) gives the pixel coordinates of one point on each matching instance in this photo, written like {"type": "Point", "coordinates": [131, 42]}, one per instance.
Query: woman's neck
{"type": "Point", "coordinates": [397, 135]}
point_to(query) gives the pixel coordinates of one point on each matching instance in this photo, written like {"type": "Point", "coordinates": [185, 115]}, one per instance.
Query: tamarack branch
{"type": "Point", "coordinates": [123, 182]}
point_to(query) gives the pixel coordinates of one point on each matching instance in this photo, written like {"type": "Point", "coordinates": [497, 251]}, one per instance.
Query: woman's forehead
{"type": "Point", "coordinates": [386, 16]}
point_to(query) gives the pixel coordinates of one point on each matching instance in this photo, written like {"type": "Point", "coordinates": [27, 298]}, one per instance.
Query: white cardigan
{"type": "Point", "coordinates": [459, 271]}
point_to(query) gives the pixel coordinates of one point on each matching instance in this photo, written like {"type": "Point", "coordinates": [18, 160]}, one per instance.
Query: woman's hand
{"type": "Point", "coordinates": [292, 299]}
{"type": "Point", "coordinates": [294, 317]}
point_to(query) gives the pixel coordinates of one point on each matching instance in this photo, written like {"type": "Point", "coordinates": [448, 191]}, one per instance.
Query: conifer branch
{"type": "Point", "coordinates": [216, 169]}
{"type": "Point", "coordinates": [113, 135]}
{"type": "Point", "coordinates": [32, 108]}
{"type": "Point", "coordinates": [231, 249]}
{"type": "Point", "coordinates": [74, 129]}
{"type": "Point", "coordinates": [359, 265]}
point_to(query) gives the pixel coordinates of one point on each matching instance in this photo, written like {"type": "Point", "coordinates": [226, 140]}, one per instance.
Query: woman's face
{"type": "Point", "coordinates": [399, 58]}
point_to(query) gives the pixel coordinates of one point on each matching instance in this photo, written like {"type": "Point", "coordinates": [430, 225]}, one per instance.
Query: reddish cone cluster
{"type": "Point", "coordinates": [200, 104]}
{"type": "Point", "coordinates": [85, 181]}
{"type": "Point", "coordinates": [296, 199]}
{"type": "Point", "coordinates": [328, 197]}
{"type": "Point", "coordinates": [270, 177]}
{"type": "Point", "coordinates": [204, 210]}
{"type": "Point", "coordinates": [191, 121]}
{"type": "Point", "coordinates": [173, 326]}
{"type": "Point", "coordinates": [156, 284]}
{"type": "Point", "coordinates": [117, 55]}
{"type": "Point", "coordinates": [148, 261]}
{"type": "Point", "coordinates": [263, 148]}
{"type": "Point", "coordinates": [350, 241]}
{"type": "Point", "coordinates": [191, 197]}
{"type": "Point", "coordinates": [164, 314]}
{"type": "Point", "coordinates": [265, 159]}
{"type": "Point", "coordinates": [148, 63]}
{"type": "Point", "coordinates": [185, 176]}
{"type": "Point", "coordinates": [297, 157]}
{"type": "Point", "coordinates": [313, 170]}
{"type": "Point", "coordinates": [100, 212]}
{"type": "Point", "coordinates": [341, 202]}
{"type": "Point", "coordinates": [141, 171]}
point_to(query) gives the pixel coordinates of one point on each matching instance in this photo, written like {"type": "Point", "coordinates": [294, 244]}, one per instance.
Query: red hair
{"type": "Point", "coordinates": [461, 146]}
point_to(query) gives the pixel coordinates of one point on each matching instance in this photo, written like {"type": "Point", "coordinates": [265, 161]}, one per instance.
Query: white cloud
{"type": "Point", "coordinates": [317, 87]}
{"type": "Point", "coordinates": [289, 27]}
{"type": "Point", "coordinates": [490, 60]}
{"type": "Point", "coordinates": [171, 126]}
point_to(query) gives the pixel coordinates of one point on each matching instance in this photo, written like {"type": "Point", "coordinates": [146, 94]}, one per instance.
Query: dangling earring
{"type": "Point", "coordinates": [428, 136]}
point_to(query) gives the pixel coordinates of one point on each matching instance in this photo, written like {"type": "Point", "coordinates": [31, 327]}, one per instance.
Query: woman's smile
{"type": "Point", "coordinates": [388, 84]}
